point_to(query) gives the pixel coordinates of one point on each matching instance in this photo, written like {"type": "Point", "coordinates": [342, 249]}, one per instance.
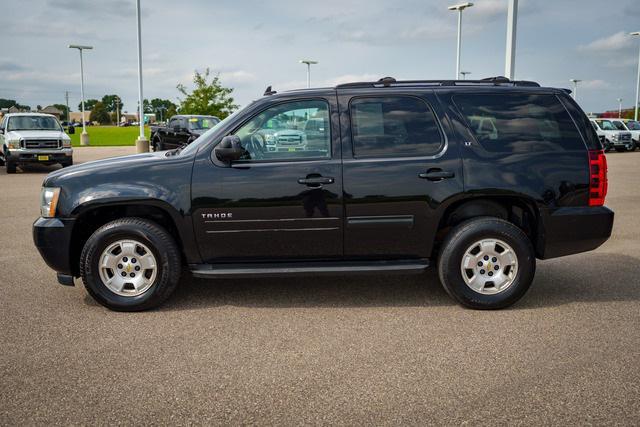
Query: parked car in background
{"type": "Point", "coordinates": [613, 137]}
{"type": "Point", "coordinates": [33, 138]}
{"type": "Point", "coordinates": [631, 126]}
{"type": "Point", "coordinates": [181, 131]}
{"type": "Point", "coordinates": [408, 181]}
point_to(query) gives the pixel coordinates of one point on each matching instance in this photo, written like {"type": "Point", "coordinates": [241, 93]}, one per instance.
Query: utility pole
{"type": "Point", "coordinates": [635, 117]}
{"type": "Point", "coordinates": [66, 97]}
{"type": "Point", "coordinates": [510, 56]}
{"type": "Point", "coordinates": [84, 137]}
{"type": "Point", "coordinates": [117, 111]}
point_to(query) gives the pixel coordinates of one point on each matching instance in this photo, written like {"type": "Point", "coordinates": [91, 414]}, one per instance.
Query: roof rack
{"type": "Point", "coordinates": [391, 82]}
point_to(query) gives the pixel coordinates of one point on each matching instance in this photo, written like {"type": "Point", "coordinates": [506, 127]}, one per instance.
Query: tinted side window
{"type": "Point", "coordinates": [288, 132]}
{"type": "Point", "coordinates": [398, 126]}
{"type": "Point", "coordinates": [519, 122]}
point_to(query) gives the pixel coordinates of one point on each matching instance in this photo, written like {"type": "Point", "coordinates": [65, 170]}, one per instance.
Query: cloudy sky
{"type": "Point", "coordinates": [252, 44]}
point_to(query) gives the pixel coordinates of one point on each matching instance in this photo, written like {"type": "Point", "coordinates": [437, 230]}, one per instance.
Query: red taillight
{"type": "Point", "coordinates": [597, 177]}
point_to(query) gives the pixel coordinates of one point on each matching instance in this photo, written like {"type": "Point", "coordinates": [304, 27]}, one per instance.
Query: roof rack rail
{"type": "Point", "coordinates": [391, 82]}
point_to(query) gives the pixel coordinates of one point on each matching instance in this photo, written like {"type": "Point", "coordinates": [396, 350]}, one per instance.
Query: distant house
{"type": "Point", "coordinates": [53, 111]}
{"type": "Point", "coordinates": [76, 116]}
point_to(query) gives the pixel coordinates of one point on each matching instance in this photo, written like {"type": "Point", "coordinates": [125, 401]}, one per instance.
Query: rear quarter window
{"type": "Point", "coordinates": [519, 122]}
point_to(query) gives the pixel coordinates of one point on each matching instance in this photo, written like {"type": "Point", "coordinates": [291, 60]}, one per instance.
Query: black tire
{"type": "Point", "coordinates": [621, 149]}
{"type": "Point", "coordinates": [10, 166]}
{"type": "Point", "coordinates": [157, 239]}
{"type": "Point", "coordinates": [67, 163]}
{"type": "Point", "coordinates": [159, 146]}
{"type": "Point", "coordinates": [465, 235]}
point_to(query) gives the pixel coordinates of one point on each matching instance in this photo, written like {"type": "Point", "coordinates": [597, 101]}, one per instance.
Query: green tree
{"type": "Point", "coordinates": [8, 103]}
{"type": "Point", "coordinates": [100, 114]}
{"type": "Point", "coordinates": [209, 98]}
{"type": "Point", "coordinates": [62, 108]}
{"type": "Point", "coordinates": [161, 107]}
{"type": "Point", "coordinates": [88, 104]}
{"type": "Point", "coordinates": [110, 102]}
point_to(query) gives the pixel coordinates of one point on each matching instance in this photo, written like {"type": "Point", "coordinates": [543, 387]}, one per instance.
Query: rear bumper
{"type": "Point", "coordinates": [52, 237]}
{"type": "Point", "coordinates": [567, 231]}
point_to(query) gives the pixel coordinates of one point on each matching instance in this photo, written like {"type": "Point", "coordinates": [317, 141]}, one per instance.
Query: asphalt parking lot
{"type": "Point", "coordinates": [368, 350]}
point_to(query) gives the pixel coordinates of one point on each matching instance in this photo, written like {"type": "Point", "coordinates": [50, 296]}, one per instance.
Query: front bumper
{"type": "Point", "coordinates": [36, 155]}
{"type": "Point", "coordinates": [572, 230]}
{"type": "Point", "coordinates": [52, 237]}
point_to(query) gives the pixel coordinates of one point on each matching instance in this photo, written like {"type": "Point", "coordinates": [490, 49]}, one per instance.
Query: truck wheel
{"type": "Point", "coordinates": [486, 263]}
{"type": "Point", "coordinates": [11, 166]}
{"type": "Point", "coordinates": [130, 264]}
{"type": "Point", "coordinates": [67, 163]}
{"type": "Point", "coordinates": [159, 146]}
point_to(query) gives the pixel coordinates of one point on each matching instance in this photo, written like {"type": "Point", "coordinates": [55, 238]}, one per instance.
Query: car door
{"type": "Point", "coordinates": [272, 204]}
{"type": "Point", "coordinates": [399, 168]}
{"type": "Point", "coordinates": [169, 138]}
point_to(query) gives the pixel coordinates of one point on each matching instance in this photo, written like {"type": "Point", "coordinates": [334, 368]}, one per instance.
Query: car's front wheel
{"type": "Point", "coordinates": [130, 264]}
{"type": "Point", "coordinates": [486, 263]}
{"type": "Point", "coordinates": [10, 166]}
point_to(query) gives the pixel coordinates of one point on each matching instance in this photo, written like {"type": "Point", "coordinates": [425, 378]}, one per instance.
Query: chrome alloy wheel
{"type": "Point", "coordinates": [128, 268]}
{"type": "Point", "coordinates": [489, 266]}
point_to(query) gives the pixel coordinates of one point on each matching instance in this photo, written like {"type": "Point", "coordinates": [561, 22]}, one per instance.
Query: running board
{"type": "Point", "coordinates": [309, 268]}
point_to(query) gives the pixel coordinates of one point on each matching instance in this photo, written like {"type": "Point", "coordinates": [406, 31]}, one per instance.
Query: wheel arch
{"type": "Point", "coordinates": [88, 220]}
{"type": "Point", "coordinates": [519, 210]}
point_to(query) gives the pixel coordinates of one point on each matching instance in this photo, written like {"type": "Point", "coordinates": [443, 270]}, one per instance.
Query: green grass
{"type": "Point", "coordinates": [102, 136]}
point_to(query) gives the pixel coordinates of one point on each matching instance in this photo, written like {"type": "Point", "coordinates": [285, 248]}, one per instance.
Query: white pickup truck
{"type": "Point", "coordinates": [613, 138]}
{"type": "Point", "coordinates": [33, 138]}
{"type": "Point", "coordinates": [631, 126]}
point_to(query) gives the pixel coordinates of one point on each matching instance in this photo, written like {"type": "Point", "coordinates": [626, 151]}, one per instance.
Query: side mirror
{"type": "Point", "coordinates": [230, 149]}
{"type": "Point", "coordinates": [71, 130]}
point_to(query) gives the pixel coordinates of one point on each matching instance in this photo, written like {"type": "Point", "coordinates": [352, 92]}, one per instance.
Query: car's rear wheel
{"type": "Point", "coordinates": [130, 264]}
{"type": "Point", "coordinates": [486, 263]}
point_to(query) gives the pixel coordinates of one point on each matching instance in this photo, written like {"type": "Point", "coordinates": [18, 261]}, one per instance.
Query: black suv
{"type": "Point", "coordinates": [477, 178]}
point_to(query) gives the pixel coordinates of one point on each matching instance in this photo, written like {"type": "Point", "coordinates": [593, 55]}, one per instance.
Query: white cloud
{"type": "Point", "coordinates": [237, 76]}
{"type": "Point", "coordinates": [617, 41]}
{"type": "Point", "coordinates": [595, 84]}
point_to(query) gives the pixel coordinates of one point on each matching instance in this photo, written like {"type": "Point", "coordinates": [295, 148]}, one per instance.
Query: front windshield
{"type": "Point", "coordinates": [633, 125]}
{"type": "Point", "coordinates": [195, 145]}
{"type": "Point", "coordinates": [203, 122]}
{"type": "Point", "coordinates": [32, 123]}
{"type": "Point", "coordinates": [606, 125]}
{"type": "Point", "coordinates": [619, 125]}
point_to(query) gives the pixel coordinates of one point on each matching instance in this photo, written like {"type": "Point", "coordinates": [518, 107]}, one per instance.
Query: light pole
{"type": "Point", "coordinates": [619, 108]}
{"type": "Point", "coordinates": [142, 145]}
{"type": "Point", "coordinates": [635, 117]}
{"type": "Point", "coordinates": [464, 74]}
{"type": "Point", "coordinates": [510, 57]}
{"type": "Point", "coordinates": [459, 7]}
{"type": "Point", "coordinates": [309, 63]}
{"type": "Point", "coordinates": [84, 137]}
{"type": "Point", "coordinates": [575, 88]}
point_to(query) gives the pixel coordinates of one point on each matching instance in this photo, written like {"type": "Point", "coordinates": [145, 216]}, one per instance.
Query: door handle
{"type": "Point", "coordinates": [315, 181]}
{"type": "Point", "coordinates": [436, 175]}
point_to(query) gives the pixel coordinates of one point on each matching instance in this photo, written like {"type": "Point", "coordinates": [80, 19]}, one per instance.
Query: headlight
{"type": "Point", "coordinates": [66, 143]}
{"type": "Point", "coordinates": [615, 137]}
{"type": "Point", "coordinates": [49, 201]}
{"type": "Point", "coordinates": [13, 144]}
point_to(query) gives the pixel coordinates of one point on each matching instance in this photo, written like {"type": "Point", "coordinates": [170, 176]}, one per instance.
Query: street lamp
{"type": "Point", "coordinates": [635, 117]}
{"type": "Point", "coordinates": [459, 7]}
{"type": "Point", "coordinates": [84, 137]}
{"type": "Point", "coordinates": [575, 87]}
{"type": "Point", "coordinates": [464, 74]}
{"type": "Point", "coordinates": [309, 63]}
{"type": "Point", "coordinates": [619, 108]}
{"type": "Point", "coordinates": [142, 145]}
